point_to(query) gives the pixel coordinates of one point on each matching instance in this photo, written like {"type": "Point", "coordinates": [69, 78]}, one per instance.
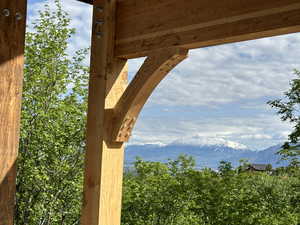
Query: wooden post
{"type": "Point", "coordinates": [104, 160]}
{"type": "Point", "coordinates": [12, 33]}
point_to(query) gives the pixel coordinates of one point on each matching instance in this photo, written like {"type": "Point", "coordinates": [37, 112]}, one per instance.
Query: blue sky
{"type": "Point", "coordinates": [217, 96]}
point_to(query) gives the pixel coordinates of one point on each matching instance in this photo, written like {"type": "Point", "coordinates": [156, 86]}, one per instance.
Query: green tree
{"type": "Point", "coordinates": [225, 168]}
{"type": "Point", "coordinates": [50, 165]}
{"type": "Point", "coordinates": [157, 193]}
{"type": "Point", "coordinates": [170, 193]}
{"type": "Point", "coordinates": [269, 167]}
{"type": "Point", "coordinates": [288, 109]}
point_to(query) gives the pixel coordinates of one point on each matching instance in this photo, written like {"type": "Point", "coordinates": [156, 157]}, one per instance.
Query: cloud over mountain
{"type": "Point", "coordinates": [199, 140]}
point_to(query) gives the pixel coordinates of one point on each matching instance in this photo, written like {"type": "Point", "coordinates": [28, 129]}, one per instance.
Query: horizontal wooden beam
{"type": "Point", "coordinates": [148, 25]}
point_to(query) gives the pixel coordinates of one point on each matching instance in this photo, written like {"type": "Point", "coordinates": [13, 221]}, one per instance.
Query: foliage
{"type": "Point", "coordinates": [288, 109]}
{"type": "Point", "coordinates": [49, 183]}
{"type": "Point", "coordinates": [158, 193]}
{"type": "Point", "coordinates": [225, 168]}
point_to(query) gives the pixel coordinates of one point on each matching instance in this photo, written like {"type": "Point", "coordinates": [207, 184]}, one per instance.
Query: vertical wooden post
{"type": "Point", "coordinates": [104, 160]}
{"type": "Point", "coordinates": [12, 33]}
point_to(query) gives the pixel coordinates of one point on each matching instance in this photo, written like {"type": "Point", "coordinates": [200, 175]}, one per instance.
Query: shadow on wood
{"type": "Point", "coordinates": [12, 35]}
{"type": "Point", "coordinates": [7, 197]}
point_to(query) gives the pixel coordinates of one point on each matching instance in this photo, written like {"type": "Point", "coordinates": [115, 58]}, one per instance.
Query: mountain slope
{"type": "Point", "coordinates": [205, 155]}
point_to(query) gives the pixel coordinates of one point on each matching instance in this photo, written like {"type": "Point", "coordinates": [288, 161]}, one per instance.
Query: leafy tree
{"type": "Point", "coordinates": [288, 109]}
{"type": "Point", "coordinates": [244, 165]}
{"type": "Point", "coordinates": [225, 168]}
{"type": "Point", "coordinates": [269, 167]}
{"type": "Point", "coordinates": [167, 193]}
{"type": "Point", "coordinates": [157, 193]}
{"type": "Point", "coordinates": [50, 165]}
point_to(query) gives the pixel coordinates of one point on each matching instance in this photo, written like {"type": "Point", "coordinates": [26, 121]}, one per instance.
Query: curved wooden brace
{"type": "Point", "coordinates": [155, 68]}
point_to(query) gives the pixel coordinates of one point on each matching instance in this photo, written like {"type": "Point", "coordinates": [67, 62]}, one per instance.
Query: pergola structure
{"type": "Point", "coordinates": [161, 30]}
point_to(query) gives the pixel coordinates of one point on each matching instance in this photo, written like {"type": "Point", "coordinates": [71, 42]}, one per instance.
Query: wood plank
{"type": "Point", "coordinates": [144, 26]}
{"type": "Point", "coordinates": [12, 35]}
{"type": "Point", "coordinates": [7, 197]}
{"type": "Point", "coordinates": [87, 1]}
{"type": "Point", "coordinates": [104, 161]}
{"type": "Point", "coordinates": [151, 73]}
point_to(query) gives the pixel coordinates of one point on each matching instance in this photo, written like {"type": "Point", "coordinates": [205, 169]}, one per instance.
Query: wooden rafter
{"type": "Point", "coordinates": [148, 25]}
{"type": "Point", "coordinates": [155, 68]}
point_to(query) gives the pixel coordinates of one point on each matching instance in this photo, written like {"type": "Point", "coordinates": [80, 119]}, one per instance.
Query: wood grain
{"type": "Point", "coordinates": [104, 160]}
{"type": "Point", "coordinates": [149, 25]}
{"type": "Point", "coordinates": [7, 197]}
{"type": "Point", "coordinates": [12, 33]}
{"type": "Point", "coordinates": [154, 69]}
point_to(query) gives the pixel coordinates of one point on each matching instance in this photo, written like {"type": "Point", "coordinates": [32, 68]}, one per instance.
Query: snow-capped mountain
{"type": "Point", "coordinates": [206, 155]}
{"type": "Point", "coordinates": [199, 140]}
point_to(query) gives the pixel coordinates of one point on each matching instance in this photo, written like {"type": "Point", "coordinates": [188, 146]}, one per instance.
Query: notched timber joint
{"type": "Point", "coordinates": [125, 130]}
{"type": "Point", "coordinates": [156, 66]}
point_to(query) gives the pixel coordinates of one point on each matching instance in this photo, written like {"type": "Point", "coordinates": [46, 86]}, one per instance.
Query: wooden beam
{"type": "Point", "coordinates": [12, 33]}
{"type": "Point", "coordinates": [154, 69]}
{"type": "Point", "coordinates": [149, 25]}
{"type": "Point", "coordinates": [87, 1]}
{"type": "Point", "coordinates": [104, 160]}
{"type": "Point", "coordinates": [7, 197]}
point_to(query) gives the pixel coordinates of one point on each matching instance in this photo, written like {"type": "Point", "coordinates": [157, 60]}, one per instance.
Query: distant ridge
{"type": "Point", "coordinates": [205, 155]}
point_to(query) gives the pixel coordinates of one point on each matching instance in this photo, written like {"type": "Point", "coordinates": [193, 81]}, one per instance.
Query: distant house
{"type": "Point", "coordinates": [259, 167]}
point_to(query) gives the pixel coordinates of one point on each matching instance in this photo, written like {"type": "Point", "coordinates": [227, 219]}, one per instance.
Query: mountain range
{"type": "Point", "coordinates": [206, 156]}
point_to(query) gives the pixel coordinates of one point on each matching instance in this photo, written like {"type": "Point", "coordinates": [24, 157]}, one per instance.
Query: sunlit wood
{"type": "Point", "coordinates": [12, 33]}
{"type": "Point", "coordinates": [151, 73]}
{"type": "Point", "coordinates": [104, 161]}
{"type": "Point", "coordinates": [148, 25]}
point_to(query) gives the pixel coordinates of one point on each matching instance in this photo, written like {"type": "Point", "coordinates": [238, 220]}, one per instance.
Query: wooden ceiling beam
{"type": "Point", "coordinates": [87, 1]}
{"type": "Point", "coordinates": [150, 25]}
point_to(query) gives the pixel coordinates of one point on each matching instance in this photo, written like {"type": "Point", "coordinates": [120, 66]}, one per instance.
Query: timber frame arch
{"type": "Point", "coordinates": [162, 30]}
{"type": "Point", "coordinates": [156, 66]}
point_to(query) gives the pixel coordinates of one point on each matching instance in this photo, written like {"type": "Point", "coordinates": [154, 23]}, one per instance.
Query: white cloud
{"type": "Point", "coordinates": [257, 132]}
{"type": "Point", "coordinates": [256, 136]}
{"type": "Point", "coordinates": [284, 134]}
{"type": "Point", "coordinates": [199, 139]}
{"type": "Point", "coordinates": [229, 73]}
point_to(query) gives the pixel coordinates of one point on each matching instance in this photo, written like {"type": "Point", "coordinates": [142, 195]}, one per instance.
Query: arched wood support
{"type": "Point", "coordinates": [155, 68]}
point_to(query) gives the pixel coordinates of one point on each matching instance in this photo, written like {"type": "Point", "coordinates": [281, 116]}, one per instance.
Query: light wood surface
{"type": "Point", "coordinates": [12, 32]}
{"type": "Point", "coordinates": [104, 161]}
{"type": "Point", "coordinates": [148, 25]}
{"type": "Point", "coordinates": [123, 29]}
{"type": "Point", "coordinates": [155, 68]}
